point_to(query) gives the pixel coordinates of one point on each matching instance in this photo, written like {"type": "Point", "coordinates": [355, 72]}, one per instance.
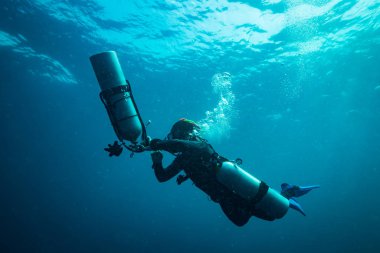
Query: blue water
{"type": "Point", "coordinates": [301, 105]}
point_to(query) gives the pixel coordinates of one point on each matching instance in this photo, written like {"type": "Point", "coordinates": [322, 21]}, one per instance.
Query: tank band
{"type": "Point", "coordinates": [115, 90]}
{"type": "Point", "coordinates": [126, 118]}
{"type": "Point", "coordinates": [263, 189]}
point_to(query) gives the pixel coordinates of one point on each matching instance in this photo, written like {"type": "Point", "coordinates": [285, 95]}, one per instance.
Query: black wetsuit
{"type": "Point", "coordinates": [200, 163]}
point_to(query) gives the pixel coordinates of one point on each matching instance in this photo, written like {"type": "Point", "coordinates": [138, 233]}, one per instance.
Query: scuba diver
{"type": "Point", "coordinates": [239, 194]}
{"type": "Point", "coordinates": [201, 163]}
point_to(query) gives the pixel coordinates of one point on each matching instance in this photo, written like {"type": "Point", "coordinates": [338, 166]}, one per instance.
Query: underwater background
{"type": "Point", "coordinates": [291, 87]}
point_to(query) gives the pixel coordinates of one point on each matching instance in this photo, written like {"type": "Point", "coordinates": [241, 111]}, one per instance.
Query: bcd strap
{"type": "Point", "coordinates": [263, 189]}
{"type": "Point", "coordinates": [144, 135]}
{"type": "Point", "coordinates": [106, 94]}
{"type": "Point", "coordinates": [104, 97]}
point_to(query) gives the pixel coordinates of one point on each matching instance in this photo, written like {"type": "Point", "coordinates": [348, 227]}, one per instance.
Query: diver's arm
{"type": "Point", "coordinates": [172, 146]}
{"type": "Point", "coordinates": [164, 174]}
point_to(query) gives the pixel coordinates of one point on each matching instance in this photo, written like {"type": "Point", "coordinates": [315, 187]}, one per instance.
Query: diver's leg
{"type": "Point", "coordinates": [262, 215]}
{"type": "Point", "coordinates": [238, 215]}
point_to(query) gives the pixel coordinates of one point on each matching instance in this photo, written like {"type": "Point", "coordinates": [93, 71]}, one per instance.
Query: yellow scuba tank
{"type": "Point", "coordinates": [117, 97]}
{"type": "Point", "coordinates": [247, 186]}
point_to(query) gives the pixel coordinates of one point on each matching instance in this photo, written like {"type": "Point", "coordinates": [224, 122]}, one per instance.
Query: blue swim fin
{"type": "Point", "coordinates": [294, 191]}
{"type": "Point", "coordinates": [296, 206]}
{"type": "Point", "coordinates": [305, 189]}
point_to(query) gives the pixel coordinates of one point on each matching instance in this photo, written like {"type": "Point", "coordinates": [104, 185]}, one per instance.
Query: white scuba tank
{"type": "Point", "coordinates": [116, 96]}
{"type": "Point", "coordinates": [247, 186]}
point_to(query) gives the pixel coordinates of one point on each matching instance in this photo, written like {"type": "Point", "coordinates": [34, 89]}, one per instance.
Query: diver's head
{"type": "Point", "coordinates": [184, 129]}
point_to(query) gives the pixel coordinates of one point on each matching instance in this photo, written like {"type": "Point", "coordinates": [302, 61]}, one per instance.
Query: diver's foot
{"type": "Point", "coordinates": [294, 191]}
{"type": "Point", "coordinates": [296, 206]}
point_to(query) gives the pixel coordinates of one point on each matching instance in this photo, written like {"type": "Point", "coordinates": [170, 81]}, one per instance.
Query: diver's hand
{"type": "Point", "coordinates": [154, 144]}
{"type": "Point", "coordinates": [156, 157]}
{"type": "Point", "coordinates": [115, 149]}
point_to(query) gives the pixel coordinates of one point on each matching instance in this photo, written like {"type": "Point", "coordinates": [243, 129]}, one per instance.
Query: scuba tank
{"type": "Point", "coordinates": [264, 198]}
{"type": "Point", "coordinates": [116, 95]}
